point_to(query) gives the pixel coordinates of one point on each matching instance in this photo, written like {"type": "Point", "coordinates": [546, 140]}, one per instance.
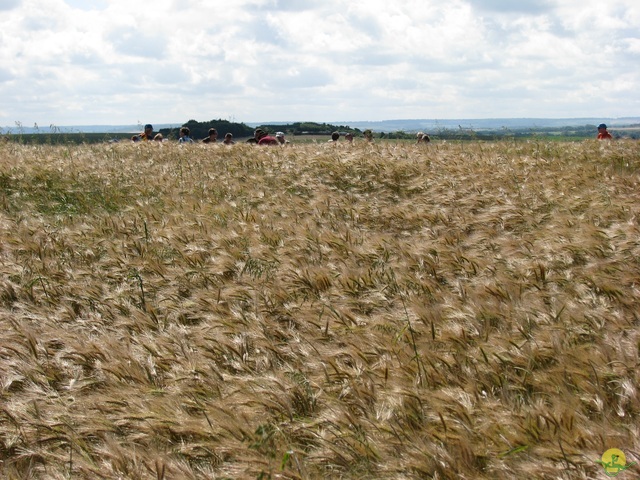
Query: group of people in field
{"type": "Point", "coordinates": [184, 136]}
{"type": "Point", "coordinates": [262, 137]}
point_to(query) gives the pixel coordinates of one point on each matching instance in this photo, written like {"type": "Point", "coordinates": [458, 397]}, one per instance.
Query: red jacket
{"type": "Point", "coordinates": [268, 140]}
{"type": "Point", "coordinates": [604, 136]}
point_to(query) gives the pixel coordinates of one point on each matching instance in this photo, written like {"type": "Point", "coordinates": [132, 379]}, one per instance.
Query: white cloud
{"type": "Point", "coordinates": [117, 61]}
{"type": "Point", "coordinates": [132, 41]}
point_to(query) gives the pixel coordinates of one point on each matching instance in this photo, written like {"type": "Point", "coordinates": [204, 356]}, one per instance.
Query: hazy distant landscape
{"type": "Point", "coordinates": [407, 125]}
{"type": "Point", "coordinates": [479, 124]}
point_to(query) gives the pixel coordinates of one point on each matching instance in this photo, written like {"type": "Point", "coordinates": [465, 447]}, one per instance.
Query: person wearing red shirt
{"type": "Point", "coordinates": [603, 134]}
{"type": "Point", "coordinates": [262, 138]}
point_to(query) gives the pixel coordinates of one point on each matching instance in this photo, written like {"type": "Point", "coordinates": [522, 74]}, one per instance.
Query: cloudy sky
{"type": "Point", "coordinates": [82, 62]}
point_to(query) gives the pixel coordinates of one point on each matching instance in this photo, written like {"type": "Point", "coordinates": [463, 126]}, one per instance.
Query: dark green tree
{"type": "Point", "coordinates": [200, 130]}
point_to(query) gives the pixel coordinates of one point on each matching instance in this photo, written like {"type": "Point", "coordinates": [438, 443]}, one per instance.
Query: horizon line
{"type": "Point", "coordinates": [276, 122]}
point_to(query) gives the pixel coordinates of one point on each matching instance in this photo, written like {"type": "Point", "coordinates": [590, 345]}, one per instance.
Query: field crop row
{"type": "Point", "coordinates": [367, 311]}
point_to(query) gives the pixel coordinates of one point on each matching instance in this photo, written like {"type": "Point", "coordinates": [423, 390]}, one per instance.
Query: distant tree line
{"type": "Point", "coordinates": [201, 129]}
{"type": "Point", "coordinates": [309, 128]}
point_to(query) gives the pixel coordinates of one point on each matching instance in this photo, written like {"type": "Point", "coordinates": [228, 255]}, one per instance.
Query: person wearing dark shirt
{"type": "Point", "coordinates": [146, 135]}
{"type": "Point", "coordinates": [423, 138]}
{"type": "Point", "coordinates": [212, 138]}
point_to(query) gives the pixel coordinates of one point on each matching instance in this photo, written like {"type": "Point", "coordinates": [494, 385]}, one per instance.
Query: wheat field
{"type": "Point", "coordinates": [450, 311]}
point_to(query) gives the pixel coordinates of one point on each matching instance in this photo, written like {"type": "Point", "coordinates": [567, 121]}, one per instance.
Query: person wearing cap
{"type": "Point", "coordinates": [348, 137]}
{"type": "Point", "coordinates": [228, 139]}
{"type": "Point", "coordinates": [280, 138]}
{"type": "Point", "coordinates": [603, 134]}
{"type": "Point", "coordinates": [422, 138]}
{"type": "Point", "coordinates": [263, 138]}
{"type": "Point", "coordinates": [146, 135]}
{"type": "Point", "coordinates": [212, 138]}
{"type": "Point", "coordinates": [258, 133]}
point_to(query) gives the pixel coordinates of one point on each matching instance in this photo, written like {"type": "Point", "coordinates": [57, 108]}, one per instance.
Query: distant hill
{"type": "Point", "coordinates": [480, 124]}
